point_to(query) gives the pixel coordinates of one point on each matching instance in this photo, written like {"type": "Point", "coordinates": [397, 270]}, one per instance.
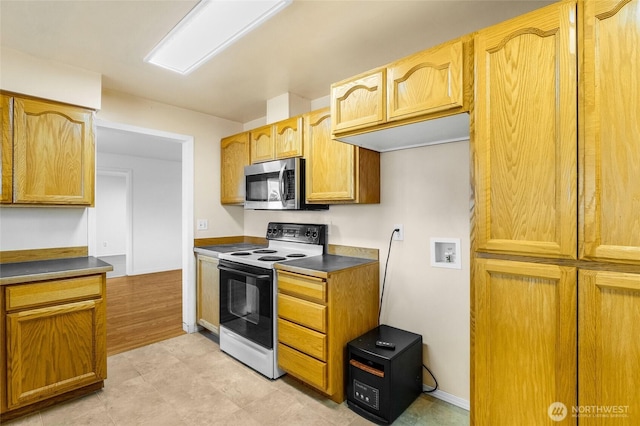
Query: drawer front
{"type": "Point", "coordinates": [307, 287]}
{"type": "Point", "coordinates": [302, 366]}
{"type": "Point", "coordinates": [302, 312]}
{"type": "Point", "coordinates": [303, 339]}
{"type": "Point", "coordinates": [39, 294]}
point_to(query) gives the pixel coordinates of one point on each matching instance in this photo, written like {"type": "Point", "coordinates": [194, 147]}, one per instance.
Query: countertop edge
{"type": "Point", "coordinates": [22, 279]}
{"type": "Point", "coordinates": [78, 267]}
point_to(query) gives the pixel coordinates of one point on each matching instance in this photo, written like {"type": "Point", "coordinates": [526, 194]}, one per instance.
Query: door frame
{"type": "Point", "coordinates": [93, 243]}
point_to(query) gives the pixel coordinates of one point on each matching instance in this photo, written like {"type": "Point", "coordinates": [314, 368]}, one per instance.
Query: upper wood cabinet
{"type": "Point", "coordinates": [262, 146]}
{"type": "Point", "coordinates": [234, 155]}
{"type": "Point", "coordinates": [338, 172]}
{"type": "Point", "coordinates": [6, 149]}
{"type": "Point", "coordinates": [610, 131]}
{"type": "Point", "coordinates": [359, 101]}
{"type": "Point", "coordinates": [283, 139]}
{"type": "Point", "coordinates": [524, 342]}
{"type": "Point", "coordinates": [526, 133]}
{"type": "Point", "coordinates": [54, 153]}
{"type": "Point", "coordinates": [430, 81]}
{"type": "Point", "coordinates": [288, 135]}
{"type": "Point", "coordinates": [429, 84]}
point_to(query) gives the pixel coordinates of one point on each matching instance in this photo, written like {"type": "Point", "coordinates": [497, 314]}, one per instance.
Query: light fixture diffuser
{"type": "Point", "coordinates": [209, 28]}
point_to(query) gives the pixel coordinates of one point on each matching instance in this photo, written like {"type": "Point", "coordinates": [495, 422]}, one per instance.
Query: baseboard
{"type": "Point", "coordinates": [155, 270]}
{"type": "Point", "coordinates": [447, 397]}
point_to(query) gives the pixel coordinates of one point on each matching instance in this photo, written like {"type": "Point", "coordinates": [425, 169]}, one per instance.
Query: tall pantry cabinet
{"type": "Point", "coordinates": [556, 247]}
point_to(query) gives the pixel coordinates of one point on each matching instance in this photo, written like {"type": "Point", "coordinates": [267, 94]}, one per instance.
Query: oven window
{"type": "Point", "coordinates": [244, 301]}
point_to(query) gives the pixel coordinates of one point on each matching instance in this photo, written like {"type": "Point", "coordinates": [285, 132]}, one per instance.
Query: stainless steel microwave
{"type": "Point", "coordinates": [277, 185]}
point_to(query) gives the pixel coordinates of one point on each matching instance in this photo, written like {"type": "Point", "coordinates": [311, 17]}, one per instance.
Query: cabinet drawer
{"type": "Point", "coordinates": [301, 338]}
{"type": "Point", "coordinates": [39, 294]}
{"type": "Point", "coordinates": [304, 367]}
{"type": "Point", "coordinates": [307, 287]}
{"type": "Point", "coordinates": [302, 312]}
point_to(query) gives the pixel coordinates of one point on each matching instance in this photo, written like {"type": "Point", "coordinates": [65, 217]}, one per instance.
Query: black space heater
{"type": "Point", "coordinates": [384, 373]}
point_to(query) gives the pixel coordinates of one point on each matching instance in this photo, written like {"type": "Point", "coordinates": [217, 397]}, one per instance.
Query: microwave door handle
{"type": "Point", "coordinates": [247, 274]}
{"type": "Point", "coordinates": [282, 185]}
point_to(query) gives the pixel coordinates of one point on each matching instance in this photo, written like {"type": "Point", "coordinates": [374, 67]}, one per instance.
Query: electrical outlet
{"type": "Point", "coordinates": [203, 224]}
{"type": "Point", "coordinates": [398, 236]}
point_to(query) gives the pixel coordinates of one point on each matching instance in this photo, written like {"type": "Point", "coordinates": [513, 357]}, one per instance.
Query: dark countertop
{"type": "Point", "coordinates": [38, 270]}
{"type": "Point", "coordinates": [326, 263]}
{"type": "Point", "coordinates": [214, 250]}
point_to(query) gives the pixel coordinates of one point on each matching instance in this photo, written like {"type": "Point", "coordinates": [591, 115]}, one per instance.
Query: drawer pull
{"type": "Point", "coordinates": [366, 368]}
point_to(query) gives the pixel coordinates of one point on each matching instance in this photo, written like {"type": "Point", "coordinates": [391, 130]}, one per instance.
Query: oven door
{"type": "Point", "coordinates": [246, 301]}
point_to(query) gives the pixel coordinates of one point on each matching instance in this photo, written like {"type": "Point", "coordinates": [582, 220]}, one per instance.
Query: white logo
{"type": "Point", "coordinates": [557, 411]}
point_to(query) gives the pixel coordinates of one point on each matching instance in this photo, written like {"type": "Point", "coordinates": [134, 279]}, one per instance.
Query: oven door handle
{"type": "Point", "coordinates": [246, 274]}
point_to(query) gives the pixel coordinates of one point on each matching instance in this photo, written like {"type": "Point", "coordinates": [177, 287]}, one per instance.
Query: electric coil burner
{"type": "Point", "coordinates": [248, 293]}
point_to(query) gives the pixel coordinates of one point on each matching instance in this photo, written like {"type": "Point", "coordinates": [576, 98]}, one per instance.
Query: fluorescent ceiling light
{"type": "Point", "coordinates": [210, 27]}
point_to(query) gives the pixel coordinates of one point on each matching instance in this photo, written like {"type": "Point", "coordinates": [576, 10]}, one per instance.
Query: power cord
{"type": "Point", "coordinates": [434, 380]}
{"type": "Point", "coordinates": [384, 280]}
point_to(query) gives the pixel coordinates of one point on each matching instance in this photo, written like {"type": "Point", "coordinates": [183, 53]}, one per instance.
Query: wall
{"type": "Point", "coordinates": [427, 190]}
{"type": "Point", "coordinates": [157, 218]}
{"type": "Point", "coordinates": [111, 214]}
{"type": "Point", "coordinates": [24, 228]}
{"type": "Point", "coordinates": [25, 74]}
{"type": "Point", "coordinates": [207, 131]}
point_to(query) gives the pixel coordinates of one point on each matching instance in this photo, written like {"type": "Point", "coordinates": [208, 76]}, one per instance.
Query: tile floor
{"type": "Point", "coordinates": [188, 381]}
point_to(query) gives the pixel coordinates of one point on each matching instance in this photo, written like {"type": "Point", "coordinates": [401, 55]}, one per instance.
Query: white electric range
{"type": "Point", "coordinates": [248, 293]}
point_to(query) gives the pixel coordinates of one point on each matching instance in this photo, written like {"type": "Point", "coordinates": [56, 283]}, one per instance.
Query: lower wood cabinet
{"type": "Point", "coordinates": [548, 334]}
{"type": "Point", "coordinates": [525, 342]}
{"type": "Point", "coordinates": [609, 348]}
{"type": "Point", "coordinates": [54, 337]}
{"type": "Point", "coordinates": [318, 314]}
{"type": "Point", "coordinates": [208, 293]}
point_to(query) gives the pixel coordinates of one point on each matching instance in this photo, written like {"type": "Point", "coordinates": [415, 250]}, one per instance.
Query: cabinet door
{"type": "Point", "coordinates": [6, 149]}
{"type": "Point", "coordinates": [611, 131]}
{"type": "Point", "coordinates": [262, 147]}
{"type": "Point", "coordinates": [427, 82]}
{"type": "Point", "coordinates": [55, 349]}
{"type": "Point", "coordinates": [525, 134]}
{"type": "Point", "coordinates": [54, 153]}
{"type": "Point", "coordinates": [208, 293]}
{"type": "Point", "coordinates": [525, 342]}
{"type": "Point", "coordinates": [234, 155]}
{"type": "Point", "coordinates": [359, 102]}
{"type": "Point", "coordinates": [608, 345]}
{"type": "Point", "coordinates": [288, 136]}
{"type": "Point", "coordinates": [330, 163]}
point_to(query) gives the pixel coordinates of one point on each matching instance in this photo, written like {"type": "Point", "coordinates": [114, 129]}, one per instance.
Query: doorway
{"type": "Point", "coordinates": [186, 261]}
{"type": "Point", "coordinates": [114, 214]}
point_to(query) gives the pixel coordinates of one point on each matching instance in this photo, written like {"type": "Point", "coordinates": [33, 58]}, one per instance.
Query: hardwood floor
{"type": "Point", "coordinates": [143, 309]}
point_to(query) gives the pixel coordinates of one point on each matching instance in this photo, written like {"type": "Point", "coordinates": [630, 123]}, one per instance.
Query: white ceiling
{"type": "Point", "coordinates": [124, 142]}
{"type": "Point", "coordinates": [302, 50]}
